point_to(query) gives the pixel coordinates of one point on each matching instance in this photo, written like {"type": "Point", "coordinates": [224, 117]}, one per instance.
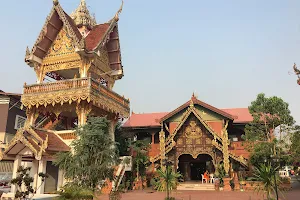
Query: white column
{"type": "Point", "coordinates": [35, 173]}
{"type": "Point", "coordinates": [17, 163]}
{"type": "Point", "coordinates": [40, 184]}
{"type": "Point", "coordinates": [60, 181]}
{"type": "Point", "coordinates": [112, 126]}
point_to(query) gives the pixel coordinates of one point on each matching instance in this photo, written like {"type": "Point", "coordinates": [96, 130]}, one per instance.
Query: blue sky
{"type": "Point", "coordinates": [225, 51]}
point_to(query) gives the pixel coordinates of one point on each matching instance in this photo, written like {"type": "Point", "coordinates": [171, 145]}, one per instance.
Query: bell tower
{"type": "Point", "coordinates": [77, 62]}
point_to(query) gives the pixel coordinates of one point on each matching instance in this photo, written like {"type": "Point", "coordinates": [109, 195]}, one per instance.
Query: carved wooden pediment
{"type": "Point", "coordinates": [193, 131]}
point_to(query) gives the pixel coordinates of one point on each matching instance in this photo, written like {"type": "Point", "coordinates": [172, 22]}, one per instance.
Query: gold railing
{"type": "Point", "coordinates": [87, 82]}
{"type": "Point", "coordinates": [96, 85]}
{"type": "Point", "coordinates": [55, 86]}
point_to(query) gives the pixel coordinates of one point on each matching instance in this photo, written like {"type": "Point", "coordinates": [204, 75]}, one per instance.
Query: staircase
{"type": "Point", "coordinates": [125, 165]}
{"type": "Point", "coordinates": [196, 186]}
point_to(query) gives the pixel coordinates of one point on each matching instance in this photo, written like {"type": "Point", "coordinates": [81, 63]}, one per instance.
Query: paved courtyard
{"type": "Point", "coordinates": [294, 194]}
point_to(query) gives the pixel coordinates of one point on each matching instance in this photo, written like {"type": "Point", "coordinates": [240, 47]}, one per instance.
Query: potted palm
{"type": "Point", "coordinates": [166, 180]}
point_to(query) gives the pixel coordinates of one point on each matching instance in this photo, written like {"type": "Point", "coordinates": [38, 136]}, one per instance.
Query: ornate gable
{"type": "Point", "coordinates": [52, 27]}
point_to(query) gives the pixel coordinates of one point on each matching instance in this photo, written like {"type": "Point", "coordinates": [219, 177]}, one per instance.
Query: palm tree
{"type": "Point", "coordinates": [167, 180]}
{"type": "Point", "coordinates": [265, 173]}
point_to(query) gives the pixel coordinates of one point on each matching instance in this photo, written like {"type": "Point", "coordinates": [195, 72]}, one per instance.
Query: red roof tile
{"type": "Point", "coordinates": [54, 142]}
{"type": "Point", "coordinates": [95, 36]}
{"type": "Point", "coordinates": [243, 115]}
{"type": "Point", "coordinates": [144, 120]}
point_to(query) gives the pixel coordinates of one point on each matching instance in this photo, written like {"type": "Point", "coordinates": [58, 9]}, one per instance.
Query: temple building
{"type": "Point", "coordinates": [76, 61]}
{"type": "Point", "coordinates": [195, 137]}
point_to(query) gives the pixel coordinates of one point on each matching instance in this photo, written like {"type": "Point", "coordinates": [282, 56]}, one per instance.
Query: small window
{"type": "Point", "coordinates": [20, 121]}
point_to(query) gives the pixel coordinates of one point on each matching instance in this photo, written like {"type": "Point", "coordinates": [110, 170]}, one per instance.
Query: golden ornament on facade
{"type": "Point", "coordinates": [198, 141]}
{"type": "Point", "coordinates": [193, 131]}
{"type": "Point", "coordinates": [208, 141]}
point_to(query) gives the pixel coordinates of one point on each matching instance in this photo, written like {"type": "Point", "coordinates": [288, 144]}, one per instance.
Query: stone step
{"type": "Point", "coordinates": [191, 186]}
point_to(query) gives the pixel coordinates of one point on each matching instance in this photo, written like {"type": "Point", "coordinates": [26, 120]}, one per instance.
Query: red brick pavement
{"type": "Point", "coordinates": [200, 195]}
{"type": "Point", "coordinates": [294, 194]}
{"type": "Point", "coordinates": [189, 195]}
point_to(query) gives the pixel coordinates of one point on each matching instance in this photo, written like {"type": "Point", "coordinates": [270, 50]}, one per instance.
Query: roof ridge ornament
{"type": "Point", "coordinates": [55, 2]}
{"type": "Point", "coordinates": [119, 11]}
{"type": "Point", "coordinates": [82, 17]}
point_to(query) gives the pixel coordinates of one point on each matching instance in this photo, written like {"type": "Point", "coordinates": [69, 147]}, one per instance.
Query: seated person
{"type": "Point", "coordinates": [206, 175]}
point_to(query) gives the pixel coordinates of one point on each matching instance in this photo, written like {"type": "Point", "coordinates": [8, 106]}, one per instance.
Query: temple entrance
{"type": "Point", "coordinates": [191, 169]}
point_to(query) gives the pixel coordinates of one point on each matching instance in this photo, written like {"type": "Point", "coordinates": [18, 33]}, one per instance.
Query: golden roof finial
{"type": "Point", "coordinates": [55, 2]}
{"type": "Point", "coordinates": [119, 11]}
{"type": "Point", "coordinates": [82, 17]}
{"type": "Point", "coordinates": [191, 103]}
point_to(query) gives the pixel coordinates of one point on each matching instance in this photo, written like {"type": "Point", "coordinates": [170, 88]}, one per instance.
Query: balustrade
{"type": "Point", "coordinates": [56, 86]}
{"type": "Point", "coordinates": [76, 84]}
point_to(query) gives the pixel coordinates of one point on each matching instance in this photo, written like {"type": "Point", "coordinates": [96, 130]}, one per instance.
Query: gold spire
{"type": "Point", "coordinates": [55, 2]}
{"type": "Point", "coordinates": [119, 11]}
{"type": "Point", "coordinates": [82, 17]}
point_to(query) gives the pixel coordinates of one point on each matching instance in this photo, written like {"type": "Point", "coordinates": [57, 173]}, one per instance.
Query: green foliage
{"type": "Point", "coordinates": [140, 157]}
{"type": "Point", "coordinates": [121, 142]}
{"type": "Point", "coordinates": [23, 179]}
{"type": "Point", "coordinates": [265, 173]}
{"type": "Point", "coordinates": [170, 198]}
{"type": "Point", "coordinates": [74, 192]}
{"type": "Point", "coordinates": [93, 157]}
{"type": "Point", "coordinates": [267, 113]}
{"type": "Point", "coordinates": [295, 146]}
{"type": "Point", "coordinates": [166, 177]}
{"type": "Point", "coordinates": [220, 173]}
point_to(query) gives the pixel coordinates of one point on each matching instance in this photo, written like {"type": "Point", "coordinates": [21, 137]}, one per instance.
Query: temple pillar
{"type": "Point", "coordinates": [60, 181]}
{"type": "Point", "coordinates": [82, 111]}
{"type": "Point", "coordinates": [17, 163]}
{"type": "Point", "coordinates": [40, 183]}
{"type": "Point", "coordinates": [34, 170]}
{"type": "Point", "coordinates": [152, 137]}
{"type": "Point", "coordinates": [32, 115]}
{"type": "Point", "coordinates": [112, 127]}
{"type": "Point", "coordinates": [162, 149]}
{"type": "Point", "coordinates": [186, 171]}
{"type": "Point", "coordinates": [225, 142]}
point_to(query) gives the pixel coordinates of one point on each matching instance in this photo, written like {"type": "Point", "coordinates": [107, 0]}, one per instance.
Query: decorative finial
{"type": "Point", "coordinates": [55, 2]}
{"type": "Point", "coordinates": [191, 103]}
{"type": "Point", "coordinates": [27, 52]}
{"type": "Point", "coordinates": [119, 11]}
{"type": "Point", "coordinates": [82, 17]}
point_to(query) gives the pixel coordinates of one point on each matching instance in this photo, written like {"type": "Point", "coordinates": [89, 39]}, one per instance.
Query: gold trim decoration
{"type": "Point", "coordinates": [62, 66]}
{"type": "Point", "coordinates": [19, 137]}
{"type": "Point", "coordinates": [193, 131]}
{"type": "Point", "coordinates": [63, 44]}
{"type": "Point", "coordinates": [162, 147]}
{"type": "Point", "coordinates": [198, 141]}
{"type": "Point", "coordinates": [180, 141]}
{"type": "Point", "coordinates": [76, 90]}
{"type": "Point", "coordinates": [225, 144]}
{"type": "Point", "coordinates": [188, 141]}
{"type": "Point", "coordinates": [207, 141]}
